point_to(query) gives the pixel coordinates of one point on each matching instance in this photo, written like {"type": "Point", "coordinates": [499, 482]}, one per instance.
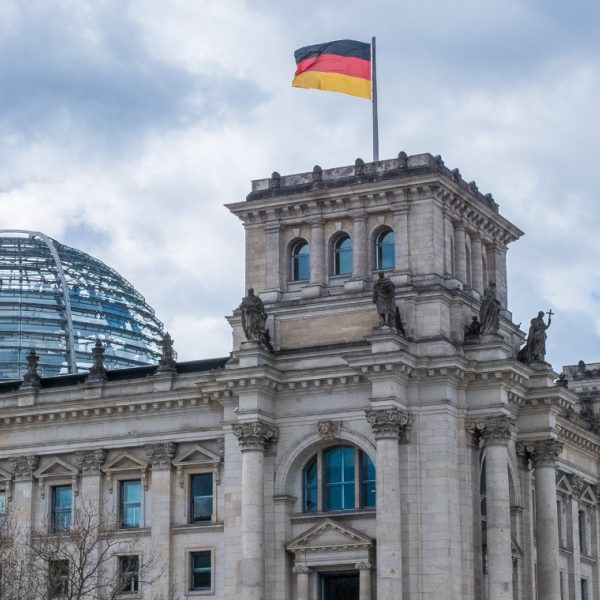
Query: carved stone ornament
{"type": "Point", "coordinates": [387, 422]}
{"type": "Point", "coordinates": [31, 380]}
{"type": "Point", "coordinates": [493, 430]}
{"type": "Point", "coordinates": [363, 565]}
{"type": "Point", "coordinates": [23, 466]}
{"type": "Point", "coordinates": [167, 362]}
{"type": "Point", "coordinates": [544, 452]}
{"type": "Point", "coordinates": [329, 430]}
{"type": "Point", "coordinates": [256, 435]}
{"type": "Point", "coordinates": [301, 570]}
{"type": "Point", "coordinates": [90, 461]}
{"type": "Point", "coordinates": [161, 454]}
{"type": "Point", "coordinates": [97, 370]}
{"type": "Point", "coordinates": [578, 485]}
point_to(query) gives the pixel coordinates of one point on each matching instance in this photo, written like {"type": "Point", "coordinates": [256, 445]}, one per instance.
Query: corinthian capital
{"type": "Point", "coordinates": [256, 435]}
{"type": "Point", "coordinates": [544, 452]}
{"type": "Point", "coordinates": [493, 430]}
{"type": "Point", "coordinates": [23, 466]}
{"type": "Point", "coordinates": [160, 454]}
{"type": "Point", "coordinates": [387, 422]}
{"type": "Point", "coordinates": [90, 461]}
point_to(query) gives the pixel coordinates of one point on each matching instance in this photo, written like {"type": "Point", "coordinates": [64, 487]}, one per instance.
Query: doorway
{"type": "Point", "coordinates": [341, 585]}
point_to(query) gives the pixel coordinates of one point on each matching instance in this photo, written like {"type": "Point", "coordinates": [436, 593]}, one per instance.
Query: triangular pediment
{"type": "Point", "coordinates": [56, 468]}
{"type": "Point", "coordinates": [5, 475]}
{"type": "Point", "coordinates": [197, 455]}
{"type": "Point", "coordinates": [125, 462]}
{"type": "Point", "coordinates": [329, 535]}
{"type": "Point", "coordinates": [562, 485]}
{"type": "Point", "coordinates": [588, 496]}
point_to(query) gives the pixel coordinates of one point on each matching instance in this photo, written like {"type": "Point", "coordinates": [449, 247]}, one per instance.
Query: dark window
{"type": "Point", "coordinates": [582, 532]}
{"type": "Point", "coordinates": [339, 586]}
{"type": "Point", "coordinates": [301, 261]}
{"type": "Point", "coordinates": [3, 506]}
{"type": "Point", "coordinates": [61, 507]}
{"type": "Point", "coordinates": [58, 578]}
{"type": "Point", "coordinates": [200, 570]}
{"type": "Point", "coordinates": [385, 250]}
{"type": "Point", "coordinates": [129, 573]}
{"type": "Point", "coordinates": [201, 497]}
{"type": "Point", "coordinates": [584, 589]}
{"type": "Point", "coordinates": [311, 489]}
{"type": "Point", "coordinates": [482, 491]}
{"type": "Point", "coordinates": [131, 503]}
{"type": "Point", "coordinates": [344, 475]}
{"type": "Point", "coordinates": [342, 256]}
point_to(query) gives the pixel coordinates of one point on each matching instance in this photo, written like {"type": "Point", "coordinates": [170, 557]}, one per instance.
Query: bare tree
{"type": "Point", "coordinates": [91, 560]}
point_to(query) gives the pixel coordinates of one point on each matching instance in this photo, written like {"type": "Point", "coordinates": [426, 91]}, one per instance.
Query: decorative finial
{"type": "Point", "coordinates": [97, 370]}
{"type": "Point", "coordinates": [317, 173]}
{"type": "Point", "coordinates": [402, 160]}
{"type": "Point", "coordinates": [359, 166]}
{"type": "Point", "coordinates": [31, 380]}
{"type": "Point", "coordinates": [275, 180]}
{"type": "Point", "coordinates": [167, 361]}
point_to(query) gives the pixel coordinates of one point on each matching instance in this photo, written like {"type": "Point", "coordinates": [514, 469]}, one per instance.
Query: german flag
{"type": "Point", "coordinates": [342, 66]}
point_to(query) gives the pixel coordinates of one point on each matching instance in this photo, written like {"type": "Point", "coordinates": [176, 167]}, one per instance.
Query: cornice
{"type": "Point", "coordinates": [578, 437]}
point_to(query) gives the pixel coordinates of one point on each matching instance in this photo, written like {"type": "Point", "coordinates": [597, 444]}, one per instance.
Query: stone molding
{"type": "Point", "coordinates": [90, 461]}
{"type": "Point", "coordinates": [161, 454]}
{"type": "Point", "coordinates": [23, 467]}
{"type": "Point", "coordinates": [543, 453]}
{"type": "Point", "coordinates": [329, 430]}
{"type": "Point", "coordinates": [387, 422]}
{"type": "Point", "coordinates": [256, 435]}
{"type": "Point", "coordinates": [495, 430]}
{"type": "Point", "coordinates": [578, 485]}
{"type": "Point", "coordinates": [363, 565]}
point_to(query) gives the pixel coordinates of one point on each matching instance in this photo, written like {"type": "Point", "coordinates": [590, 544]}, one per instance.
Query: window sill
{"type": "Point", "coordinates": [361, 513]}
{"type": "Point", "coordinates": [129, 531]}
{"type": "Point", "coordinates": [196, 527]}
{"type": "Point", "coordinates": [196, 593]}
{"type": "Point", "coordinates": [590, 560]}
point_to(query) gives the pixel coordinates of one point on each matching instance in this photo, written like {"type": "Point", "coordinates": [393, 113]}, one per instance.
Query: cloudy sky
{"type": "Point", "coordinates": [126, 125]}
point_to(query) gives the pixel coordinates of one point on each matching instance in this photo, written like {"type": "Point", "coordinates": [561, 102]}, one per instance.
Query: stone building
{"type": "Point", "coordinates": [335, 457]}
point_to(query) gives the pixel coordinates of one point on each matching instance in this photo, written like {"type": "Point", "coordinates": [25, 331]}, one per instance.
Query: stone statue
{"type": "Point", "coordinates": [534, 349]}
{"type": "Point", "coordinates": [489, 313]}
{"type": "Point", "coordinates": [473, 329]}
{"type": "Point", "coordinates": [254, 318]}
{"type": "Point", "coordinates": [384, 297]}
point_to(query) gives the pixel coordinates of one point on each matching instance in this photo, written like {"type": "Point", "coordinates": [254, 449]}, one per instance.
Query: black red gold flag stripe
{"type": "Point", "coordinates": [341, 66]}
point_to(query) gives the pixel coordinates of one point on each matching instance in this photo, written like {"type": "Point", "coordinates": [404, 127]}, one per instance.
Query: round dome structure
{"type": "Point", "coordinates": [60, 301]}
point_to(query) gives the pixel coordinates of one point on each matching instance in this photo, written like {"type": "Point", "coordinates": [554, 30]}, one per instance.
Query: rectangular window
{"type": "Point", "coordinates": [131, 503]}
{"type": "Point", "coordinates": [3, 506]}
{"type": "Point", "coordinates": [339, 478]}
{"type": "Point", "coordinates": [201, 497]}
{"type": "Point", "coordinates": [129, 573]}
{"type": "Point", "coordinates": [62, 498]}
{"type": "Point", "coordinates": [582, 532]}
{"type": "Point", "coordinates": [58, 578]}
{"type": "Point", "coordinates": [584, 589]}
{"type": "Point", "coordinates": [200, 570]}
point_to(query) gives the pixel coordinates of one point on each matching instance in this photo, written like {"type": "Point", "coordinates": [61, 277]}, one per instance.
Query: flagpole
{"type": "Point", "coordinates": [374, 102]}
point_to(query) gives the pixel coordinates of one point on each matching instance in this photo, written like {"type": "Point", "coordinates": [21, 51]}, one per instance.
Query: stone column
{"type": "Point", "coordinates": [544, 454]}
{"type": "Point", "coordinates": [477, 263]}
{"type": "Point", "coordinates": [359, 246]}
{"type": "Point", "coordinates": [499, 253]}
{"type": "Point", "coordinates": [497, 433]}
{"type": "Point", "coordinates": [460, 253]}
{"type": "Point", "coordinates": [401, 247]}
{"type": "Point", "coordinates": [273, 254]}
{"type": "Point", "coordinates": [302, 589]}
{"type": "Point", "coordinates": [364, 582]}
{"type": "Point", "coordinates": [317, 253]}
{"type": "Point", "coordinates": [387, 424]}
{"type": "Point", "coordinates": [22, 499]}
{"type": "Point", "coordinates": [254, 437]}
{"type": "Point", "coordinates": [574, 560]}
{"type": "Point", "coordinates": [160, 455]}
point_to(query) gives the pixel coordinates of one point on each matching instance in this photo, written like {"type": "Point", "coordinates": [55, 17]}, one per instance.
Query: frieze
{"type": "Point", "coordinates": [161, 454]}
{"type": "Point", "coordinates": [388, 422]}
{"type": "Point", "coordinates": [256, 435]}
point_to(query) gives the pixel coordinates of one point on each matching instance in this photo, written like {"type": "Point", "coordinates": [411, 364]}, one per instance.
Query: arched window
{"type": "Point", "coordinates": [300, 261]}
{"type": "Point", "coordinates": [338, 478]}
{"type": "Point", "coordinates": [385, 250]}
{"type": "Point", "coordinates": [342, 256]}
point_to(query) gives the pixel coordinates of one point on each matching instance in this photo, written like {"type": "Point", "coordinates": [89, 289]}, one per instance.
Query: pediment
{"type": "Point", "coordinates": [563, 486]}
{"type": "Point", "coordinates": [197, 455]}
{"type": "Point", "coordinates": [5, 475]}
{"type": "Point", "coordinates": [588, 496]}
{"type": "Point", "coordinates": [125, 462]}
{"type": "Point", "coordinates": [329, 535]}
{"type": "Point", "coordinates": [56, 468]}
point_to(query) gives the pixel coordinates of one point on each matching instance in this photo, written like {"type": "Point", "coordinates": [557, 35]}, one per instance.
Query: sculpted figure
{"type": "Point", "coordinates": [384, 297]}
{"type": "Point", "coordinates": [473, 329]}
{"type": "Point", "coordinates": [254, 317]}
{"type": "Point", "coordinates": [489, 313]}
{"type": "Point", "coordinates": [534, 349]}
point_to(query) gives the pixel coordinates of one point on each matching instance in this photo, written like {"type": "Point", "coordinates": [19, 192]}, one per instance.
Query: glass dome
{"type": "Point", "coordinates": [60, 301]}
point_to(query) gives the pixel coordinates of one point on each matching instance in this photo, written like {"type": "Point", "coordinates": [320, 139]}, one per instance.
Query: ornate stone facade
{"type": "Point", "coordinates": [256, 435]}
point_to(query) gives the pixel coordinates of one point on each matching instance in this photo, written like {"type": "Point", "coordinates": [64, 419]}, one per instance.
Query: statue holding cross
{"type": "Point", "coordinates": [535, 348]}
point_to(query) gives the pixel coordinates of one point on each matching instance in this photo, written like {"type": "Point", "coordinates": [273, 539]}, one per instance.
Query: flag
{"type": "Point", "coordinates": [341, 66]}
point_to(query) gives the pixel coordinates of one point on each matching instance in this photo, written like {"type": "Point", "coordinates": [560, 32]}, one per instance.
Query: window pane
{"type": "Point", "coordinates": [2, 502]}
{"type": "Point", "coordinates": [201, 486]}
{"type": "Point", "coordinates": [201, 570]}
{"type": "Point", "coordinates": [343, 256]}
{"type": "Point", "coordinates": [130, 573]}
{"type": "Point", "coordinates": [61, 507]}
{"type": "Point", "coordinates": [58, 575]}
{"type": "Point", "coordinates": [333, 497]}
{"type": "Point", "coordinates": [367, 481]}
{"type": "Point", "coordinates": [131, 493]}
{"type": "Point", "coordinates": [300, 262]}
{"type": "Point", "coordinates": [311, 486]}
{"type": "Point", "coordinates": [385, 250]}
